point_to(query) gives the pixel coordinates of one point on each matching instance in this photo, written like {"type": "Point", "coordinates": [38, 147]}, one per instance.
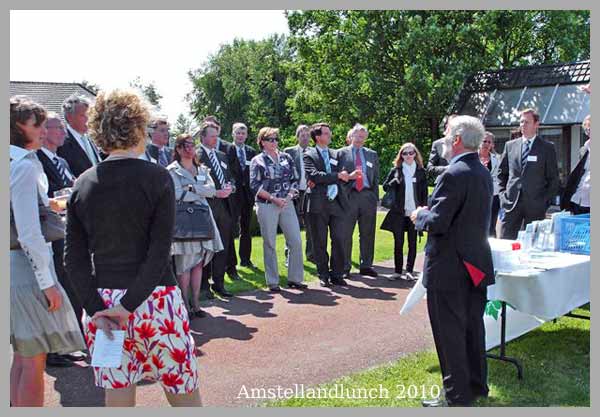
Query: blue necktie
{"type": "Point", "coordinates": [216, 167]}
{"type": "Point", "coordinates": [332, 188]}
{"type": "Point", "coordinates": [61, 171]}
{"type": "Point", "coordinates": [525, 154]}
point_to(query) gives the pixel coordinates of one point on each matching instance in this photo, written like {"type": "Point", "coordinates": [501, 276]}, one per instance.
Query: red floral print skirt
{"type": "Point", "coordinates": [158, 344]}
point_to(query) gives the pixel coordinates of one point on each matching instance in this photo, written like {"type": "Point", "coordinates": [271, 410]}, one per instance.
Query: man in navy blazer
{"type": "Point", "coordinates": [458, 263]}
{"type": "Point", "coordinates": [528, 177]}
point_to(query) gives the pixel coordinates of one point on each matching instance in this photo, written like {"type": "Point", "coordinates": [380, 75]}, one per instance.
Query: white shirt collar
{"type": "Point", "coordinates": [17, 153]}
{"type": "Point", "coordinates": [75, 133]}
{"type": "Point", "coordinates": [48, 153]}
{"type": "Point", "coordinates": [530, 139]}
{"type": "Point", "coordinates": [208, 150]}
{"type": "Point", "coordinates": [457, 157]}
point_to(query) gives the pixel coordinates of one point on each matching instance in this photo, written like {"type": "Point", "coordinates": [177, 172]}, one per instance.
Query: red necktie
{"type": "Point", "coordinates": [359, 180]}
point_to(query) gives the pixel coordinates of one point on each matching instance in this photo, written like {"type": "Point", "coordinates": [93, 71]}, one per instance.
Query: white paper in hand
{"type": "Point", "coordinates": [108, 353]}
{"type": "Point", "coordinates": [414, 296]}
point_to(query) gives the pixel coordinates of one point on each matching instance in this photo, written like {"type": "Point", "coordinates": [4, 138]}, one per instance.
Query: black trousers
{"type": "Point", "coordinates": [58, 247]}
{"type": "Point", "coordinates": [456, 319]}
{"type": "Point", "coordinates": [217, 266]}
{"type": "Point", "coordinates": [363, 210]}
{"type": "Point", "coordinates": [494, 219]}
{"type": "Point", "coordinates": [517, 218]}
{"type": "Point", "coordinates": [303, 220]}
{"type": "Point", "coordinates": [319, 223]}
{"type": "Point", "coordinates": [408, 228]}
{"type": "Point", "coordinates": [241, 226]}
{"type": "Point", "coordinates": [577, 209]}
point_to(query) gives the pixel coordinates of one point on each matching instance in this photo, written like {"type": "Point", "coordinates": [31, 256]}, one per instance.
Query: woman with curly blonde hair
{"type": "Point", "coordinates": [120, 222]}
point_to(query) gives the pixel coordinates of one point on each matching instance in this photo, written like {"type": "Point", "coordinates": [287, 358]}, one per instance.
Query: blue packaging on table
{"type": "Point", "coordinates": [573, 234]}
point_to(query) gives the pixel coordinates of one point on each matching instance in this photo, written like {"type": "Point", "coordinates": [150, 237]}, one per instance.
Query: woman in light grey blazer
{"type": "Point", "coordinates": [192, 182]}
{"type": "Point", "coordinates": [491, 161]}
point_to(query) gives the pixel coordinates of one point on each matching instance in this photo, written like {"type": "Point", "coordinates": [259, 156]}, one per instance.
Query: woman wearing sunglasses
{"type": "Point", "coordinates": [192, 184]}
{"type": "Point", "coordinates": [274, 181]}
{"type": "Point", "coordinates": [408, 179]}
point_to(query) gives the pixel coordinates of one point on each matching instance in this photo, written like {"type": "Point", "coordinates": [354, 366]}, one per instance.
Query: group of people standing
{"type": "Point", "coordinates": [119, 268]}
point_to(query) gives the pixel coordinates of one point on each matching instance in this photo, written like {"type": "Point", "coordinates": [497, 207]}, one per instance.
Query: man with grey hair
{"type": "Point", "coordinates": [363, 195]}
{"type": "Point", "coordinates": [458, 264]}
{"type": "Point", "coordinates": [78, 150]}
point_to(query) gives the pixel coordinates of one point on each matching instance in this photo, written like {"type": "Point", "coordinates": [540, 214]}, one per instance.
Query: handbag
{"type": "Point", "coordinates": [389, 198]}
{"type": "Point", "coordinates": [192, 221]}
{"type": "Point", "coordinates": [53, 226]}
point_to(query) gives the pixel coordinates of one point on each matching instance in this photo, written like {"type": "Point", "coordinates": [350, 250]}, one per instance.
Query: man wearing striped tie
{"type": "Point", "coordinates": [59, 176]}
{"type": "Point", "coordinates": [221, 206]}
{"type": "Point", "coordinates": [528, 177]}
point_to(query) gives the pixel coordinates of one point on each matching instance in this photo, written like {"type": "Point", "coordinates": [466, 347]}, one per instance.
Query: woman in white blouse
{"type": "Point", "coordinates": [41, 318]}
{"type": "Point", "coordinates": [193, 183]}
{"type": "Point", "coordinates": [407, 178]}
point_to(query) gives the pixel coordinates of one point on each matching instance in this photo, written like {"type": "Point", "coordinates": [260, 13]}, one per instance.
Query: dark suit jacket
{"type": "Point", "coordinates": [75, 155]}
{"type": "Point", "coordinates": [296, 153]}
{"type": "Point", "coordinates": [314, 167]}
{"type": "Point", "coordinates": [152, 150]}
{"type": "Point", "coordinates": [458, 222]}
{"type": "Point", "coordinates": [226, 168]}
{"type": "Point", "coordinates": [55, 181]}
{"type": "Point", "coordinates": [436, 164]}
{"type": "Point", "coordinates": [537, 185]}
{"type": "Point", "coordinates": [573, 182]}
{"type": "Point", "coordinates": [347, 160]}
{"type": "Point", "coordinates": [243, 180]}
{"type": "Point", "coordinates": [394, 219]}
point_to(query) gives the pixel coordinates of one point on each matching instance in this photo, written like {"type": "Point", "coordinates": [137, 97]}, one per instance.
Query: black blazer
{"type": "Point", "coordinates": [229, 202]}
{"type": "Point", "coordinates": [314, 167]}
{"type": "Point", "coordinates": [394, 219]}
{"type": "Point", "coordinates": [436, 164]}
{"type": "Point", "coordinates": [573, 182]}
{"type": "Point", "coordinates": [55, 181]}
{"type": "Point", "coordinates": [458, 222]}
{"type": "Point", "coordinates": [537, 185]}
{"type": "Point", "coordinates": [347, 160]}
{"type": "Point", "coordinates": [243, 180]}
{"type": "Point", "coordinates": [75, 155]}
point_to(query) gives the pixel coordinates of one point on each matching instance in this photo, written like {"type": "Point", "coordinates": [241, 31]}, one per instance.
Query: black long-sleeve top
{"type": "Point", "coordinates": [120, 221]}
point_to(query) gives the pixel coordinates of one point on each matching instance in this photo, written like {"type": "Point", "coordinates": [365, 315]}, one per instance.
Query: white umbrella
{"type": "Point", "coordinates": [415, 295]}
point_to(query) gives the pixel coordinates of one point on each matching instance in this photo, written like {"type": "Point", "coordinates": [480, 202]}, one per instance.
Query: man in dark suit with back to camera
{"type": "Point", "coordinates": [363, 195]}
{"type": "Point", "coordinates": [78, 149]}
{"type": "Point", "coordinates": [327, 205]}
{"type": "Point", "coordinates": [528, 177]}
{"type": "Point", "coordinates": [458, 264]}
{"type": "Point", "coordinates": [59, 176]}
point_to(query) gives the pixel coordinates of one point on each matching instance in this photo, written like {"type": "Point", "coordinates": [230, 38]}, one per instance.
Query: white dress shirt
{"type": "Point", "coordinates": [28, 185]}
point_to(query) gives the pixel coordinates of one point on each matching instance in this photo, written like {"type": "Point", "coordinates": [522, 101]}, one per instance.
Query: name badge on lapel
{"type": "Point", "coordinates": [531, 158]}
{"type": "Point", "coordinates": [369, 164]}
{"type": "Point", "coordinates": [284, 162]}
{"type": "Point", "coordinates": [202, 178]}
{"type": "Point", "coordinates": [247, 163]}
{"type": "Point", "coordinates": [414, 179]}
{"type": "Point", "coordinates": [224, 165]}
{"type": "Point", "coordinates": [333, 162]}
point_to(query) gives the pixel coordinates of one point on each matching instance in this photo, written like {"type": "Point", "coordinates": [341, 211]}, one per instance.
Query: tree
{"type": "Point", "coordinates": [244, 81]}
{"type": "Point", "coordinates": [94, 88]}
{"type": "Point", "coordinates": [183, 124]}
{"type": "Point", "coordinates": [149, 91]}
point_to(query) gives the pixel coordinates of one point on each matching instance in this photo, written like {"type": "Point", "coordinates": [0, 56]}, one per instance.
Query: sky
{"type": "Point", "coordinates": [112, 48]}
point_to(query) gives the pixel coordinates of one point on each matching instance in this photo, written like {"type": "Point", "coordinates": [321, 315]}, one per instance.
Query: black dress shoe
{"type": "Point", "coordinates": [223, 292]}
{"type": "Point", "coordinates": [247, 264]}
{"type": "Point", "coordinates": [234, 275]}
{"type": "Point", "coordinates": [435, 402]}
{"type": "Point", "coordinates": [369, 272]}
{"type": "Point", "coordinates": [275, 288]}
{"type": "Point", "coordinates": [325, 282]}
{"type": "Point", "coordinates": [297, 285]}
{"type": "Point", "coordinates": [339, 281]}
{"type": "Point", "coordinates": [59, 361]}
{"type": "Point", "coordinates": [199, 313]}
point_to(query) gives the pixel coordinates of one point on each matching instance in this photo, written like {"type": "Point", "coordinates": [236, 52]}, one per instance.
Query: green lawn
{"type": "Point", "coordinates": [556, 360]}
{"type": "Point", "coordinates": [253, 279]}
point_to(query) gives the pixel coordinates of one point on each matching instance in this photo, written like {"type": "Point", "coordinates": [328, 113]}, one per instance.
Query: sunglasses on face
{"type": "Point", "coordinates": [271, 139]}
{"type": "Point", "coordinates": [187, 145]}
{"type": "Point", "coordinates": [487, 141]}
{"type": "Point", "coordinates": [408, 153]}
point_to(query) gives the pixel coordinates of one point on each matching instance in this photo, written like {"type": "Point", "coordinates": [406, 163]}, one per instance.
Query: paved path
{"type": "Point", "coordinates": [262, 340]}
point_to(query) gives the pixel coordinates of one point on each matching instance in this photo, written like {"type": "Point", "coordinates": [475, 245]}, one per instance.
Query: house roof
{"type": "Point", "coordinates": [496, 97]}
{"type": "Point", "coordinates": [50, 95]}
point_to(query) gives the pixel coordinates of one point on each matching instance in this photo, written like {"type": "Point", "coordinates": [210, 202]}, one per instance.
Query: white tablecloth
{"type": "Point", "coordinates": [546, 294]}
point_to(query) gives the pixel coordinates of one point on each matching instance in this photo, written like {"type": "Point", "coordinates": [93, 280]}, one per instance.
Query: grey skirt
{"type": "Point", "coordinates": [33, 329]}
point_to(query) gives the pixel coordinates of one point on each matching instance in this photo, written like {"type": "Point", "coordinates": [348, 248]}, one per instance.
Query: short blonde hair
{"type": "Point", "coordinates": [265, 132]}
{"type": "Point", "coordinates": [238, 126]}
{"type": "Point", "coordinates": [118, 120]}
